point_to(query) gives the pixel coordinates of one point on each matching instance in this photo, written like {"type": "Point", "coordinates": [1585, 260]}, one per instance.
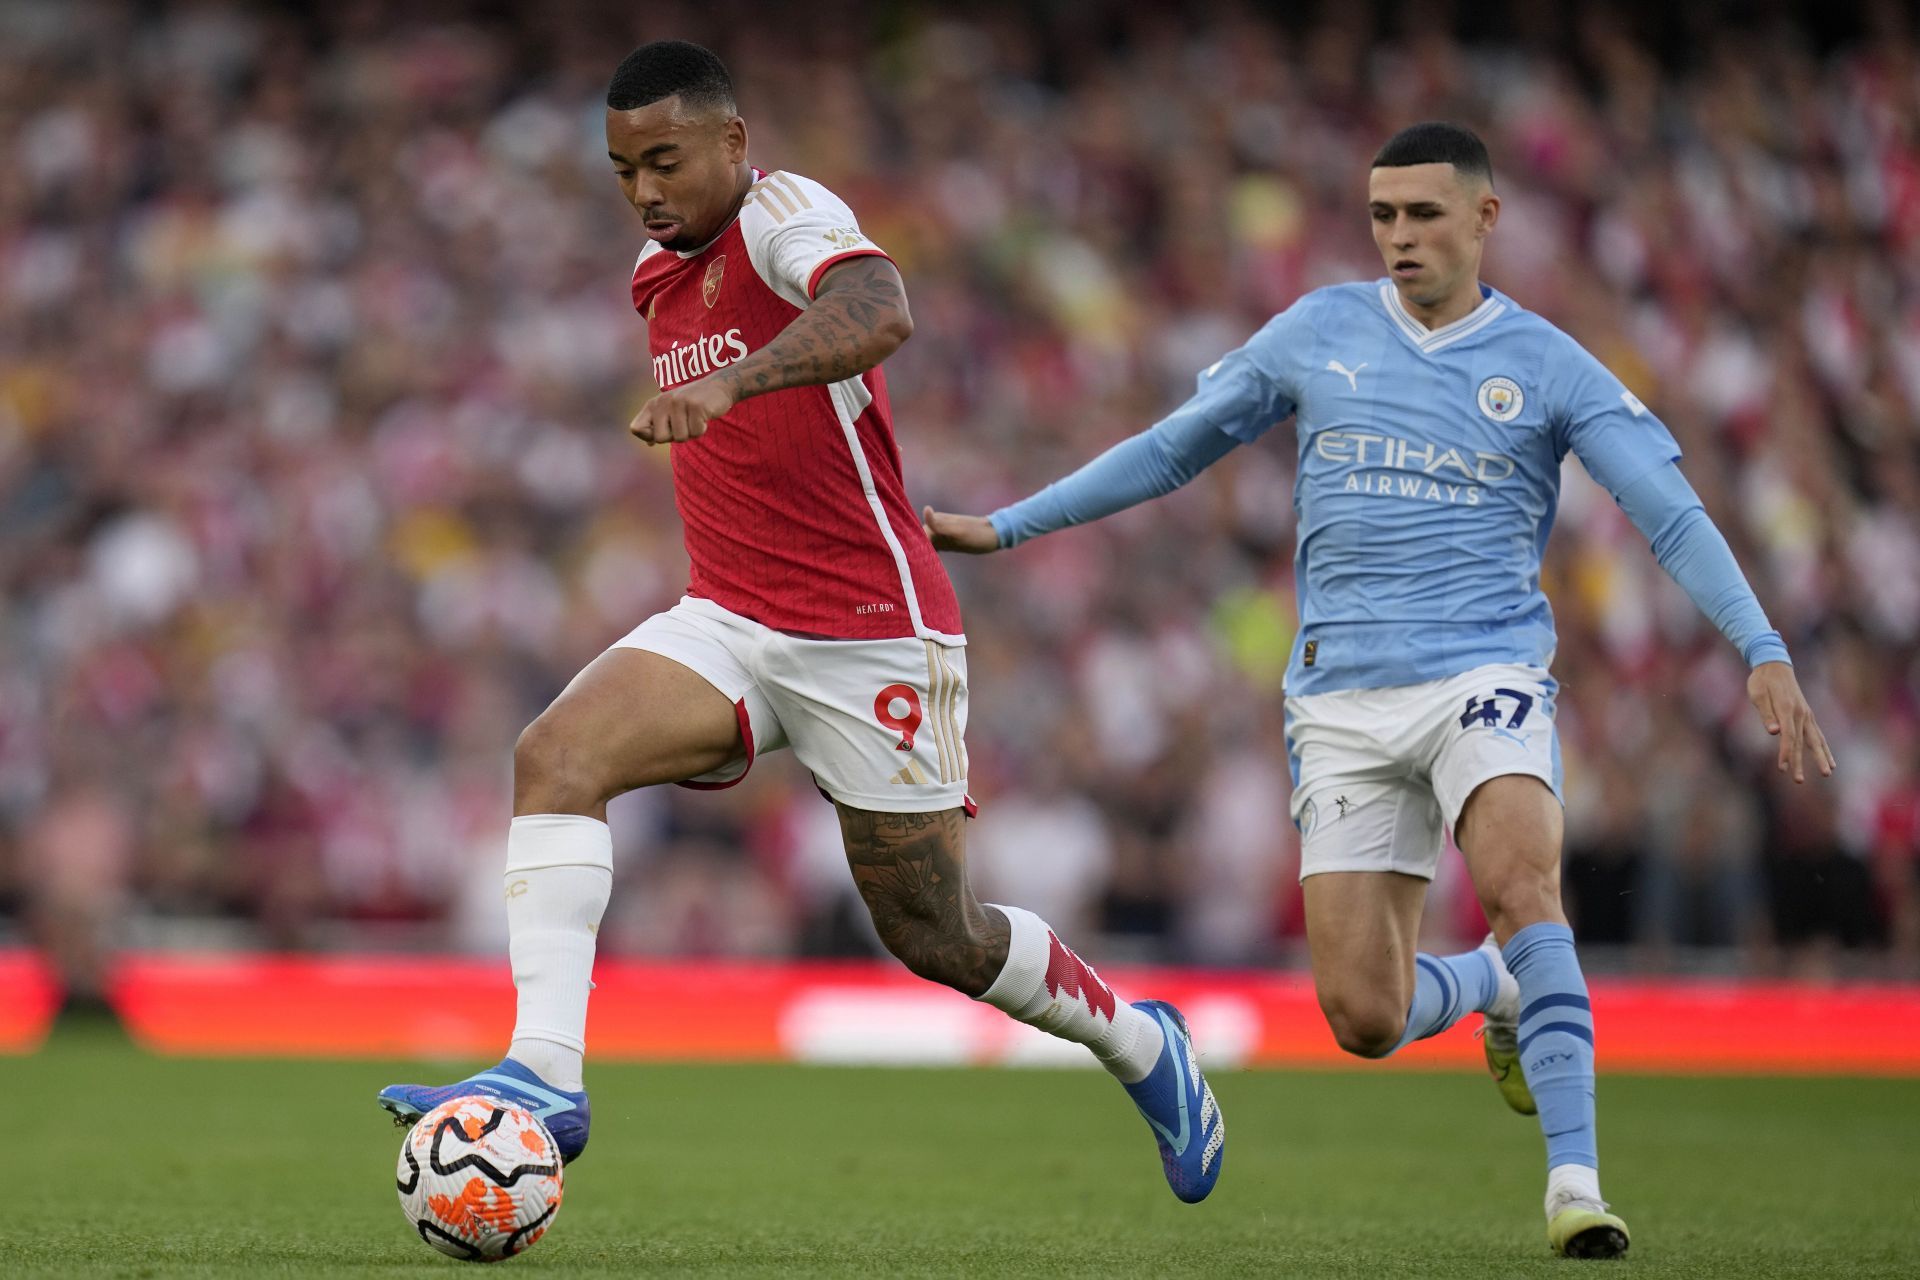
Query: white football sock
{"type": "Point", "coordinates": [1046, 985]}
{"type": "Point", "coordinates": [559, 877]}
{"type": "Point", "coordinates": [1506, 988]}
{"type": "Point", "coordinates": [1567, 1183]}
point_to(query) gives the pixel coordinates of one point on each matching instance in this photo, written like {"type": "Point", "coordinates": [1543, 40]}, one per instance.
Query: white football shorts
{"type": "Point", "coordinates": [1379, 775]}
{"type": "Point", "coordinates": [880, 723]}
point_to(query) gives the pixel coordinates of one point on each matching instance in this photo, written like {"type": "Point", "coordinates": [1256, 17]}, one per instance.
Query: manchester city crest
{"type": "Point", "coordinates": [1501, 399]}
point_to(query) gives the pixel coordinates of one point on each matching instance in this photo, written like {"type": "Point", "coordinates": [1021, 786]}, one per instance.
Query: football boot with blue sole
{"type": "Point", "coordinates": [566, 1115]}
{"type": "Point", "coordinates": [1177, 1101]}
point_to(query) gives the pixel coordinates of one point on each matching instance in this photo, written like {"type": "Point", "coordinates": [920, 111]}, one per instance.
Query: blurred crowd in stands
{"type": "Point", "coordinates": [316, 359]}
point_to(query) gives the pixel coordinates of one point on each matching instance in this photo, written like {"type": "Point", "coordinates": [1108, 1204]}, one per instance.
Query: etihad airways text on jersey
{"type": "Point", "coordinates": [1430, 459]}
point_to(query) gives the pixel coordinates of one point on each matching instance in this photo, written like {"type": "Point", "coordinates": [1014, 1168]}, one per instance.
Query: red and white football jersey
{"type": "Point", "coordinates": [795, 511]}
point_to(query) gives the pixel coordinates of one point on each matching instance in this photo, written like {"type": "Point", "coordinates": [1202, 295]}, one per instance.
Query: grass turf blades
{"type": "Point", "coordinates": [129, 1165]}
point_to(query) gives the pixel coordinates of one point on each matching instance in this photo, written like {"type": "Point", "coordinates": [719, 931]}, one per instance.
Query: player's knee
{"type": "Point", "coordinates": [1364, 1029]}
{"type": "Point", "coordinates": [551, 774]}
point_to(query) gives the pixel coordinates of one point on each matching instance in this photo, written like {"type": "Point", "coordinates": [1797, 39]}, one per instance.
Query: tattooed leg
{"type": "Point", "coordinates": [910, 869]}
{"type": "Point", "coordinates": [911, 872]}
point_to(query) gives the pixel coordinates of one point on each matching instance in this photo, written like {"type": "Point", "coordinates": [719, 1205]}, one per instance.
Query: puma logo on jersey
{"type": "Point", "coordinates": [1352, 375]}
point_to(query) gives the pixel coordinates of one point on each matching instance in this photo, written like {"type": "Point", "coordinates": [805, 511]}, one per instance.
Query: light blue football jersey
{"type": "Point", "coordinates": [1429, 473]}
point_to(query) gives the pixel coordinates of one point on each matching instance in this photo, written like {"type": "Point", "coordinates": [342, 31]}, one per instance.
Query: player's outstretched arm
{"type": "Point", "coordinates": [858, 318]}
{"type": "Point", "coordinates": [1155, 462]}
{"type": "Point", "coordinates": [1237, 399]}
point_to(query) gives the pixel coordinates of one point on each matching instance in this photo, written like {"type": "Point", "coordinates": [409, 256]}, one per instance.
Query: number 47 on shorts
{"type": "Point", "coordinates": [1488, 712]}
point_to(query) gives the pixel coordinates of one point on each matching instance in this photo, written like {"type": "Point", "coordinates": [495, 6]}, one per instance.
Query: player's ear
{"type": "Point", "coordinates": [734, 139]}
{"type": "Point", "coordinates": [1488, 213]}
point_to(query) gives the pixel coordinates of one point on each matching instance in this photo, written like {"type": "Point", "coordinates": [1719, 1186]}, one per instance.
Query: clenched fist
{"type": "Point", "coordinates": [682, 413]}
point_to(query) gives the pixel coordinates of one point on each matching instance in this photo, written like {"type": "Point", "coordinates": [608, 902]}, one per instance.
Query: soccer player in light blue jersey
{"type": "Point", "coordinates": [1432, 414]}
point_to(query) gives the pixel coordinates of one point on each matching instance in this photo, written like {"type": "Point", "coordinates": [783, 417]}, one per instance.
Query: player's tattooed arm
{"type": "Point", "coordinates": [857, 319]}
{"type": "Point", "coordinates": [910, 869]}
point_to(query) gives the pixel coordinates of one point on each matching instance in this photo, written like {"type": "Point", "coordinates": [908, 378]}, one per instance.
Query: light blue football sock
{"type": "Point", "coordinates": [1446, 989]}
{"type": "Point", "coordinates": [1556, 1040]}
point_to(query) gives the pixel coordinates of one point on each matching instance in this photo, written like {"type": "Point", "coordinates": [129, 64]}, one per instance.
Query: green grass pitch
{"type": "Point", "coordinates": [127, 1165]}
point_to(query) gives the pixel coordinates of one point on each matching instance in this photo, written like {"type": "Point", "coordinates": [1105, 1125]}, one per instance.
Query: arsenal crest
{"type": "Point", "coordinates": [710, 287]}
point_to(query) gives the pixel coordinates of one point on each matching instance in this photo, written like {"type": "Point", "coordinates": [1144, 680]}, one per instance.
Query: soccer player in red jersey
{"type": "Point", "coordinates": [818, 617]}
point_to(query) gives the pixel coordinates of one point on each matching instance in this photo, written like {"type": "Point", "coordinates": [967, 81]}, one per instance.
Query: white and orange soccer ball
{"type": "Point", "coordinates": [479, 1178]}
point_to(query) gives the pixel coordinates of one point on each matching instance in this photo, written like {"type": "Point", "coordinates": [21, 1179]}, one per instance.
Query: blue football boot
{"type": "Point", "coordinates": [1178, 1103]}
{"type": "Point", "coordinates": [566, 1115]}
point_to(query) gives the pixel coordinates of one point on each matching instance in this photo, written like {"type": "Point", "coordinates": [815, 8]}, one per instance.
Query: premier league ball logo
{"type": "Point", "coordinates": [1501, 399]}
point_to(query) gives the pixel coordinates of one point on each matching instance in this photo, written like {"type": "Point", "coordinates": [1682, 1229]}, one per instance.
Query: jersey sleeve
{"type": "Point", "coordinates": [795, 230]}
{"type": "Point", "coordinates": [1664, 507]}
{"type": "Point", "coordinates": [1149, 465]}
{"type": "Point", "coordinates": [1239, 397]}
{"type": "Point", "coordinates": [1615, 436]}
{"type": "Point", "coordinates": [1245, 392]}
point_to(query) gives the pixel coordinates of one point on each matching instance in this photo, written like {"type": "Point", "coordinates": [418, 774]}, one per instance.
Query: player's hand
{"type": "Point", "coordinates": [682, 413]}
{"type": "Point", "coordinates": [1784, 710]}
{"type": "Point", "coordinates": [971, 534]}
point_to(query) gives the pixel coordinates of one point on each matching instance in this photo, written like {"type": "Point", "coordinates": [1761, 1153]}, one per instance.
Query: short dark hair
{"type": "Point", "coordinates": [1437, 142]}
{"type": "Point", "coordinates": [668, 67]}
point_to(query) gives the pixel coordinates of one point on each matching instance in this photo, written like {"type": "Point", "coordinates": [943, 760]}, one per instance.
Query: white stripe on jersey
{"type": "Point", "coordinates": [850, 400]}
